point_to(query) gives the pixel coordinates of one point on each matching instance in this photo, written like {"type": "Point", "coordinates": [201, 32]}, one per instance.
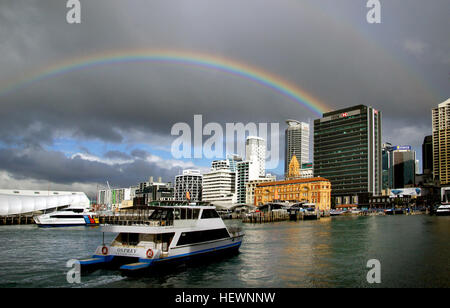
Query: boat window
{"type": "Point", "coordinates": [202, 236]}
{"type": "Point", "coordinates": [147, 237]}
{"type": "Point", "coordinates": [67, 216]}
{"type": "Point", "coordinates": [195, 213]}
{"type": "Point", "coordinates": [209, 214]}
{"type": "Point", "coordinates": [163, 215]}
{"type": "Point", "coordinates": [166, 240]}
{"type": "Point", "coordinates": [176, 214]}
{"type": "Point", "coordinates": [128, 239]}
{"type": "Point", "coordinates": [159, 214]}
{"type": "Point", "coordinates": [188, 213]}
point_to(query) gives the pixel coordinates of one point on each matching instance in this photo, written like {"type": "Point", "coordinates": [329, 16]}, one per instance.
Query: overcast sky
{"type": "Point", "coordinates": [112, 122]}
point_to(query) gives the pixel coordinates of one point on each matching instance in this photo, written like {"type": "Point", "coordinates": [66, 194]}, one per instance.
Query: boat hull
{"type": "Point", "coordinates": [443, 213]}
{"type": "Point", "coordinates": [139, 265]}
{"type": "Point", "coordinates": [60, 225]}
{"type": "Point", "coordinates": [48, 222]}
{"type": "Point", "coordinates": [198, 257]}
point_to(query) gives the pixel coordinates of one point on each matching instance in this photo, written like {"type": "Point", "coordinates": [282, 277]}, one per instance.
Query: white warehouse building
{"type": "Point", "coordinates": [16, 202]}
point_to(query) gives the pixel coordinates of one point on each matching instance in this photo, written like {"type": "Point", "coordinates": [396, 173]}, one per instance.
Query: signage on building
{"type": "Point", "coordinates": [400, 192]}
{"type": "Point", "coordinates": [402, 148]}
{"type": "Point", "coordinates": [307, 166]}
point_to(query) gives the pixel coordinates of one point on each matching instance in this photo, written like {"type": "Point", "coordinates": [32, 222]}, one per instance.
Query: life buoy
{"type": "Point", "coordinates": [149, 253]}
{"type": "Point", "coordinates": [105, 250]}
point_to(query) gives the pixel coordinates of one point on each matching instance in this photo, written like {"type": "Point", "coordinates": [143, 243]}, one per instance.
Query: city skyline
{"type": "Point", "coordinates": [77, 128]}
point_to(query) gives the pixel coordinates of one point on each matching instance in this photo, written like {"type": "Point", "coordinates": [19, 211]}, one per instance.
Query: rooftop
{"type": "Point", "coordinates": [295, 181]}
{"type": "Point", "coordinates": [444, 104]}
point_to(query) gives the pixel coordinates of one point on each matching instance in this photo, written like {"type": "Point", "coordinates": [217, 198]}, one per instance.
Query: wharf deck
{"type": "Point", "coordinates": [16, 220]}
{"type": "Point", "coordinates": [265, 217]}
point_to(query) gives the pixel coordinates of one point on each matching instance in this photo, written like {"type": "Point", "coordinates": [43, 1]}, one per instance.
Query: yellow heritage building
{"type": "Point", "coordinates": [311, 190]}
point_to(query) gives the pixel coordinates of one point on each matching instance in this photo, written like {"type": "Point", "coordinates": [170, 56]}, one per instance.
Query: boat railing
{"type": "Point", "coordinates": [143, 217]}
{"type": "Point", "coordinates": [133, 217]}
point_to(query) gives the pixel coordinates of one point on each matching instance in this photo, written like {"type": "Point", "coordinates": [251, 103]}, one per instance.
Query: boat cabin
{"type": "Point", "coordinates": [161, 227]}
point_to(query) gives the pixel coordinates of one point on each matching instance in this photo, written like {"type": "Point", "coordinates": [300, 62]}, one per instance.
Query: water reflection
{"type": "Point", "coordinates": [332, 252]}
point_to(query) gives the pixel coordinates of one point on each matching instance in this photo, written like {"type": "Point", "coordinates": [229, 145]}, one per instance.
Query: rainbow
{"type": "Point", "coordinates": [196, 59]}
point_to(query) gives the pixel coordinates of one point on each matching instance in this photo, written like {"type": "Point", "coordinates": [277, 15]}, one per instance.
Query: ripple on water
{"type": "Point", "coordinates": [413, 251]}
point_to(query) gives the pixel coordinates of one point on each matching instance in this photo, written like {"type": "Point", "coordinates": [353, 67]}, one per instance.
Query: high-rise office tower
{"type": "Point", "coordinates": [255, 150]}
{"type": "Point", "coordinates": [246, 171]}
{"type": "Point", "coordinates": [441, 142]}
{"type": "Point", "coordinates": [385, 164]}
{"type": "Point", "coordinates": [427, 155]}
{"type": "Point", "coordinates": [296, 142]}
{"type": "Point", "coordinates": [347, 151]}
{"type": "Point", "coordinates": [402, 167]}
{"type": "Point", "coordinates": [233, 159]}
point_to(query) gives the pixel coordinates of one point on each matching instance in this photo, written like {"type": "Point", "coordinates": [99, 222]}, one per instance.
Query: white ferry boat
{"type": "Point", "coordinates": [172, 233]}
{"type": "Point", "coordinates": [68, 217]}
{"type": "Point", "coordinates": [443, 210]}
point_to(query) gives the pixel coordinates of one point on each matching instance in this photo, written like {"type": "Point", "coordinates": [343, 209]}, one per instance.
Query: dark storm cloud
{"type": "Point", "coordinates": [400, 67]}
{"type": "Point", "coordinates": [53, 166]}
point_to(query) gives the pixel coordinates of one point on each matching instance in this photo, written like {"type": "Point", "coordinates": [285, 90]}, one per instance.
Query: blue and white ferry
{"type": "Point", "coordinates": [172, 233]}
{"type": "Point", "coordinates": [68, 217]}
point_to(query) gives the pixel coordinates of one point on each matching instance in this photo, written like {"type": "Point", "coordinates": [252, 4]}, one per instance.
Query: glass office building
{"type": "Point", "coordinates": [385, 158]}
{"type": "Point", "coordinates": [402, 165]}
{"type": "Point", "coordinates": [347, 152]}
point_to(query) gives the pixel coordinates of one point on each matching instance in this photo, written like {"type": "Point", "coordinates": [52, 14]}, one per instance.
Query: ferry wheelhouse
{"type": "Point", "coordinates": [171, 233]}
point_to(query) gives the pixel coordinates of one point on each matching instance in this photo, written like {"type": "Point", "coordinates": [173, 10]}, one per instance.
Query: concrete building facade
{"type": "Point", "coordinates": [255, 150]}
{"type": "Point", "coordinates": [190, 181]}
{"type": "Point", "coordinates": [441, 142]}
{"type": "Point", "coordinates": [245, 171]}
{"type": "Point", "coordinates": [219, 185]}
{"type": "Point", "coordinates": [296, 142]}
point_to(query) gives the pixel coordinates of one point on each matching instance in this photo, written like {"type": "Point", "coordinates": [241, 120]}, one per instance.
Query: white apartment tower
{"type": "Point", "coordinates": [296, 142]}
{"type": "Point", "coordinates": [219, 185]}
{"type": "Point", "coordinates": [441, 142]}
{"type": "Point", "coordinates": [255, 150]}
{"type": "Point", "coordinates": [246, 171]}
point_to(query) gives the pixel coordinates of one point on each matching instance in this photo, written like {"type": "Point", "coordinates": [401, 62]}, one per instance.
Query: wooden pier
{"type": "Point", "coordinates": [16, 220]}
{"type": "Point", "coordinates": [273, 216]}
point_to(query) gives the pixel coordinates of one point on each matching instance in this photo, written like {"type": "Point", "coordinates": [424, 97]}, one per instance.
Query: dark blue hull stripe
{"type": "Point", "coordinates": [200, 252]}
{"type": "Point", "coordinates": [98, 259]}
{"type": "Point", "coordinates": [60, 225]}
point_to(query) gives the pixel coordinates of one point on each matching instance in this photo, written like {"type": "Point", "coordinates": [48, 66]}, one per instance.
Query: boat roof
{"type": "Point", "coordinates": [198, 207]}
{"type": "Point", "coordinates": [198, 204]}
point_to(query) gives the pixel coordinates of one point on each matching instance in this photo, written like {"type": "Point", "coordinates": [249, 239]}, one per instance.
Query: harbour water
{"type": "Point", "coordinates": [332, 252]}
